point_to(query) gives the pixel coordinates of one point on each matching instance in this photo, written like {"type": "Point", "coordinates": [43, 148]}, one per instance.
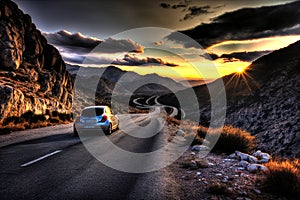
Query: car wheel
{"type": "Point", "coordinates": [75, 131]}
{"type": "Point", "coordinates": [109, 130]}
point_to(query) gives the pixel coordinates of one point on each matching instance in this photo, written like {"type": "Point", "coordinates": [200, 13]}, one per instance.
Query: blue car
{"type": "Point", "coordinates": [95, 118]}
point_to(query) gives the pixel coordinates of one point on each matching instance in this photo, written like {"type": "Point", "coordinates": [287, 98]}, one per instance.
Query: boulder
{"type": "Point", "coordinates": [262, 157]}
{"type": "Point", "coordinates": [246, 157]}
{"type": "Point", "coordinates": [254, 168]}
{"type": "Point", "coordinates": [200, 148]}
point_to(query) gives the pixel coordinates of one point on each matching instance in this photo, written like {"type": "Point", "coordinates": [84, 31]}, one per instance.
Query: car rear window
{"type": "Point", "coordinates": [91, 112]}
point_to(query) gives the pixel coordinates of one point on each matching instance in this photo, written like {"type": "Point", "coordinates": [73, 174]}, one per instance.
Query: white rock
{"type": "Point", "coordinates": [257, 154]}
{"type": "Point", "coordinates": [244, 164]}
{"type": "Point", "coordinates": [232, 156]}
{"type": "Point", "coordinates": [211, 164]}
{"type": "Point", "coordinates": [254, 168]}
{"type": "Point", "coordinates": [193, 163]}
{"type": "Point", "coordinates": [205, 142]}
{"type": "Point", "coordinates": [246, 157]}
{"type": "Point", "coordinates": [257, 191]}
{"type": "Point", "coordinates": [180, 133]}
{"type": "Point", "coordinates": [200, 148]}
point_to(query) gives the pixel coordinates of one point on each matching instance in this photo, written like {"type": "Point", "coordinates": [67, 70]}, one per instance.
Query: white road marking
{"type": "Point", "coordinates": [40, 158]}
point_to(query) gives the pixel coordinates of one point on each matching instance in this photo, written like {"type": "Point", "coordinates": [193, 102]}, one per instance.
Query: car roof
{"type": "Point", "coordinates": [95, 107]}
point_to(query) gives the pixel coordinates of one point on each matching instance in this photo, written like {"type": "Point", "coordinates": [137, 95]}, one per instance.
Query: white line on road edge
{"type": "Point", "coordinates": [41, 158]}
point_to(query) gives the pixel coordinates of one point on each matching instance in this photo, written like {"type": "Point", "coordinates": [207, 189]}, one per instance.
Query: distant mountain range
{"type": "Point", "coordinates": [127, 80]}
{"type": "Point", "coordinates": [264, 100]}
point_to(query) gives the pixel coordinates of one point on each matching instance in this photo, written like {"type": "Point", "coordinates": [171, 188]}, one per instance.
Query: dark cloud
{"type": "Point", "coordinates": [191, 11]}
{"type": "Point", "coordinates": [242, 56]}
{"type": "Point", "coordinates": [194, 11]}
{"type": "Point", "coordinates": [210, 56]}
{"type": "Point", "coordinates": [165, 5]}
{"type": "Point", "coordinates": [78, 42]}
{"type": "Point", "coordinates": [133, 60]}
{"type": "Point", "coordinates": [248, 23]}
{"type": "Point", "coordinates": [65, 38]}
{"type": "Point", "coordinates": [74, 47]}
{"type": "Point", "coordinates": [174, 6]}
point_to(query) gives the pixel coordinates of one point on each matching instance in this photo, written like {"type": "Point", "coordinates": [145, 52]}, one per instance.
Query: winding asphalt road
{"type": "Point", "coordinates": [58, 166]}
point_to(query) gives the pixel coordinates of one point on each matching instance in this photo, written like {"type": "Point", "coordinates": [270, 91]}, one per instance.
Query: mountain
{"type": "Point", "coordinates": [125, 80]}
{"type": "Point", "coordinates": [33, 76]}
{"type": "Point", "coordinates": [264, 100]}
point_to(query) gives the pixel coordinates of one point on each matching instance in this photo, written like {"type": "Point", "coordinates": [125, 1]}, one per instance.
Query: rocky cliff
{"type": "Point", "coordinates": [33, 76]}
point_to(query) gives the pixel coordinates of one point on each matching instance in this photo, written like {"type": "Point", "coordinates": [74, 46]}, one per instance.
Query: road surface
{"type": "Point", "coordinates": [58, 166]}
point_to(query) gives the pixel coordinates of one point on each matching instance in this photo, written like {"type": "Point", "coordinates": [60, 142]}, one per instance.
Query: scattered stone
{"type": "Point", "coordinates": [262, 157]}
{"type": "Point", "coordinates": [246, 157]}
{"type": "Point", "coordinates": [180, 133]}
{"type": "Point", "coordinates": [193, 164]}
{"type": "Point", "coordinates": [232, 156]}
{"type": "Point", "coordinates": [198, 173]}
{"type": "Point", "coordinates": [257, 191]}
{"type": "Point", "coordinates": [244, 164]}
{"type": "Point", "coordinates": [202, 164]}
{"type": "Point", "coordinates": [211, 164]}
{"type": "Point", "coordinates": [205, 142]}
{"type": "Point", "coordinates": [200, 148]}
{"type": "Point", "coordinates": [254, 168]}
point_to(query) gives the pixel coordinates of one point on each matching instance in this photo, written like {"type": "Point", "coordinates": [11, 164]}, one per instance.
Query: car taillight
{"type": "Point", "coordinates": [104, 118]}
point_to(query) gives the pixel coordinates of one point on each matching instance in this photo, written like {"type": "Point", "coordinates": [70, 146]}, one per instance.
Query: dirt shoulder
{"type": "Point", "coordinates": [220, 177]}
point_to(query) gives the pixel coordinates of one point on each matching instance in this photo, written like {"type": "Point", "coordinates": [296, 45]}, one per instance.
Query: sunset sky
{"type": "Point", "coordinates": [230, 34]}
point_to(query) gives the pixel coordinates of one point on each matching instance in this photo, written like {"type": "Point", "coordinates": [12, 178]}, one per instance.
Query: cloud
{"type": "Point", "coordinates": [242, 56]}
{"type": "Point", "coordinates": [194, 11]}
{"type": "Point", "coordinates": [75, 47]}
{"type": "Point", "coordinates": [133, 60]}
{"type": "Point", "coordinates": [248, 23]}
{"type": "Point", "coordinates": [174, 6]}
{"type": "Point", "coordinates": [111, 45]}
{"type": "Point", "coordinates": [65, 38]}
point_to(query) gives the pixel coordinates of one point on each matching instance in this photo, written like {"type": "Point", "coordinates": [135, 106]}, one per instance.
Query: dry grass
{"type": "Point", "coordinates": [218, 188]}
{"type": "Point", "coordinates": [229, 139]}
{"type": "Point", "coordinates": [29, 120]}
{"type": "Point", "coordinates": [283, 178]}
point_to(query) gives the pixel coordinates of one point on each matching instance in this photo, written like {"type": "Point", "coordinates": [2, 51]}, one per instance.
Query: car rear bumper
{"type": "Point", "coordinates": [84, 126]}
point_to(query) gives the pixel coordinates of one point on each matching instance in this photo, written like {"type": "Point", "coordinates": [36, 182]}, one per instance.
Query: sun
{"type": "Point", "coordinates": [240, 70]}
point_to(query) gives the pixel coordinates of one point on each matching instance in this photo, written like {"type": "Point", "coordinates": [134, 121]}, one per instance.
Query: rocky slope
{"type": "Point", "coordinates": [264, 101]}
{"type": "Point", "coordinates": [33, 76]}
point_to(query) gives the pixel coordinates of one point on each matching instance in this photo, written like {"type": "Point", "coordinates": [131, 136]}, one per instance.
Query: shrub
{"type": "Point", "coordinates": [193, 139]}
{"type": "Point", "coordinates": [283, 178]}
{"type": "Point", "coordinates": [218, 188]}
{"type": "Point", "coordinates": [230, 139]}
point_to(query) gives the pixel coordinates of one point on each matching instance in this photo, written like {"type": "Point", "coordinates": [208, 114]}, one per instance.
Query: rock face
{"type": "Point", "coordinates": [33, 76]}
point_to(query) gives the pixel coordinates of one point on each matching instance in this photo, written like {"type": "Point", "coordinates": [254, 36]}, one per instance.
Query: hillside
{"type": "Point", "coordinates": [126, 80]}
{"type": "Point", "coordinates": [33, 76]}
{"type": "Point", "coordinates": [264, 100]}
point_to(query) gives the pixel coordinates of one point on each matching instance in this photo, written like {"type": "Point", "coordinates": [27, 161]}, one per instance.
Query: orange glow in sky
{"type": "Point", "coordinates": [262, 44]}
